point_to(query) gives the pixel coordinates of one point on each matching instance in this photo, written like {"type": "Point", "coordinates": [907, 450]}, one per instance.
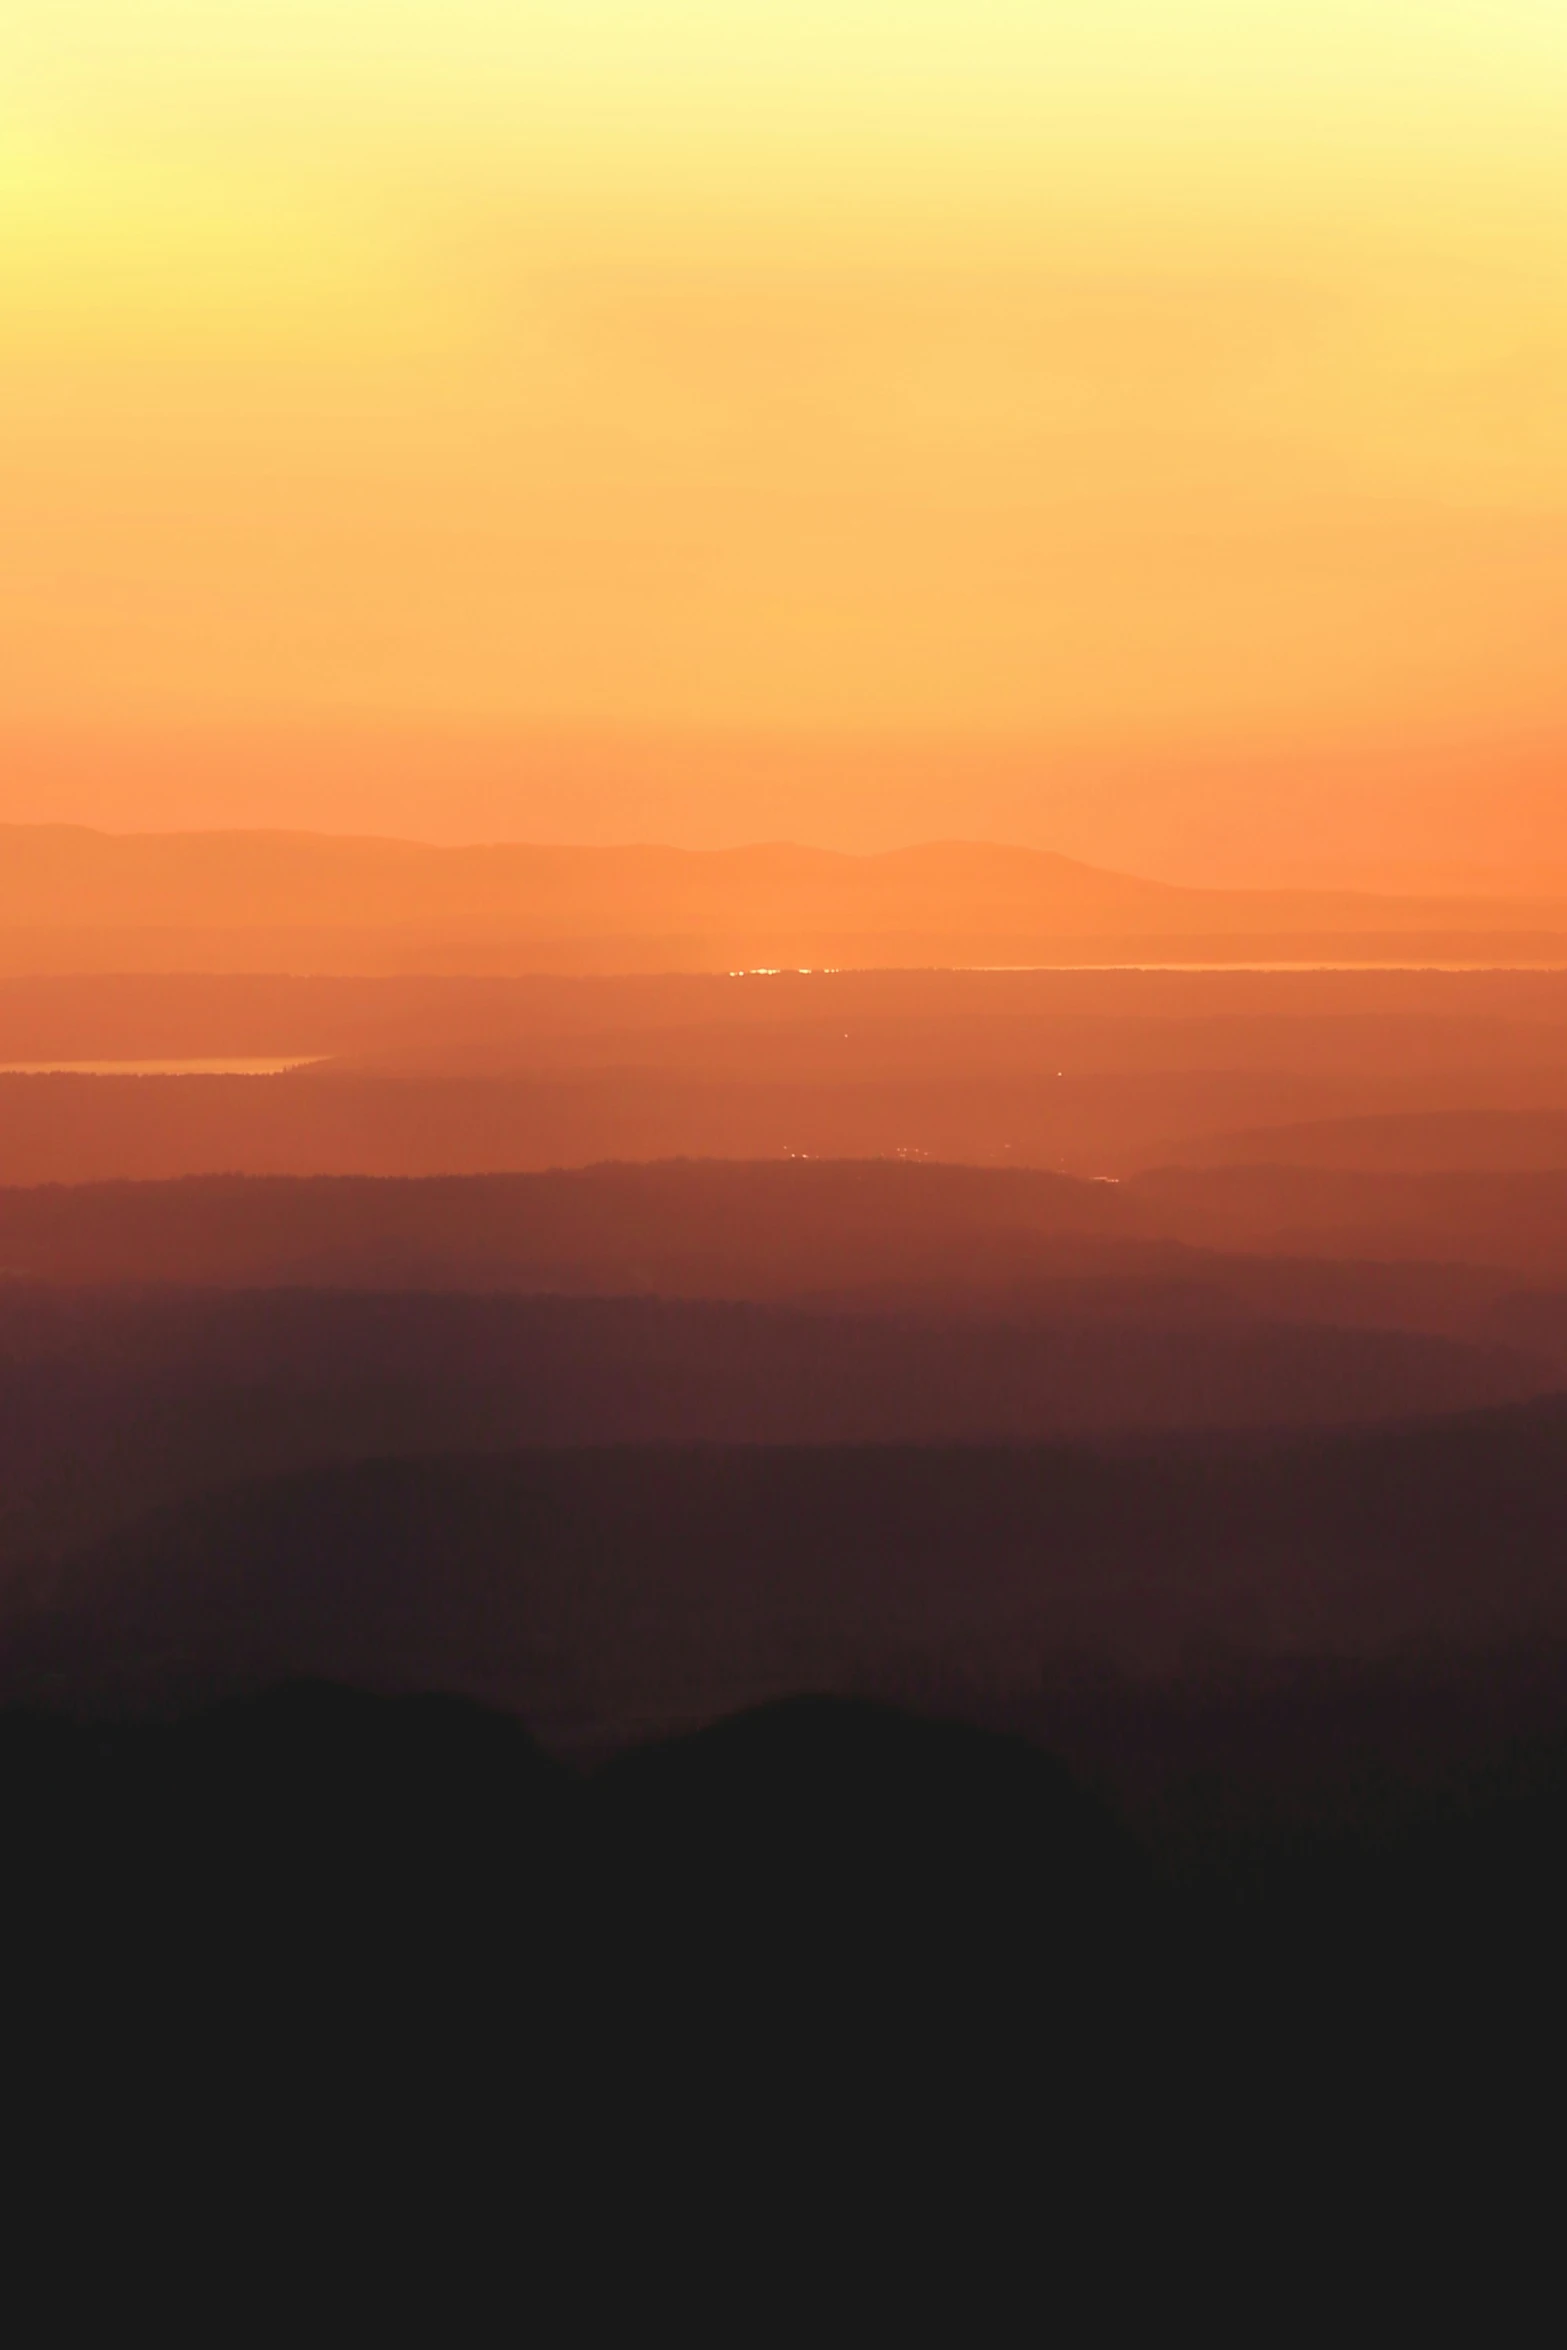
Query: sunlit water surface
{"type": "Point", "coordinates": [220, 1068]}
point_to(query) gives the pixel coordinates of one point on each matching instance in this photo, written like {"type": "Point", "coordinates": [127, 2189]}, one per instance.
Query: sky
{"type": "Point", "coordinates": [860, 420]}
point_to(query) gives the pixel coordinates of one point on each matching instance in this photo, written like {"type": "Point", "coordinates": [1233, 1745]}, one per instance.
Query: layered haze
{"type": "Point", "coordinates": [783, 1048]}
{"type": "Point", "coordinates": [790, 726]}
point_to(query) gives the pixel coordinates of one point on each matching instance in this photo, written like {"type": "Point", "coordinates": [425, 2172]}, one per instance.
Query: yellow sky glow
{"type": "Point", "coordinates": [1130, 374]}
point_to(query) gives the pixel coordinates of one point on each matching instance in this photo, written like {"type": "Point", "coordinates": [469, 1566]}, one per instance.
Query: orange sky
{"type": "Point", "coordinates": [1084, 403]}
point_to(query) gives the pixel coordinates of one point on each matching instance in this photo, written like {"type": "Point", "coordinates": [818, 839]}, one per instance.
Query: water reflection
{"type": "Point", "coordinates": [230, 1067]}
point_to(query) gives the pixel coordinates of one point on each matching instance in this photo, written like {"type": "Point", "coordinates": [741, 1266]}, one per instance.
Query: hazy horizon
{"type": "Point", "coordinates": [1404, 819]}
{"type": "Point", "coordinates": [1136, 432]}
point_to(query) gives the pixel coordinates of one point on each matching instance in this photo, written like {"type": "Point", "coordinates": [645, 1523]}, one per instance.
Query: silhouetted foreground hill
{"type": "Point", "coordinates": [342, 1797]}
{"type": "Point", "coordinates": [814, 1958]}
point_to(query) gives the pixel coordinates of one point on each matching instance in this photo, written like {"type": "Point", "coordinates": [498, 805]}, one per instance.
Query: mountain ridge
{"type": "Point", "coordinates": [297, 899]}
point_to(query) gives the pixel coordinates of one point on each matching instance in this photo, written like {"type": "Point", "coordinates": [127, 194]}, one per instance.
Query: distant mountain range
{"type": "Point", "coordinates": [74, 899]}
